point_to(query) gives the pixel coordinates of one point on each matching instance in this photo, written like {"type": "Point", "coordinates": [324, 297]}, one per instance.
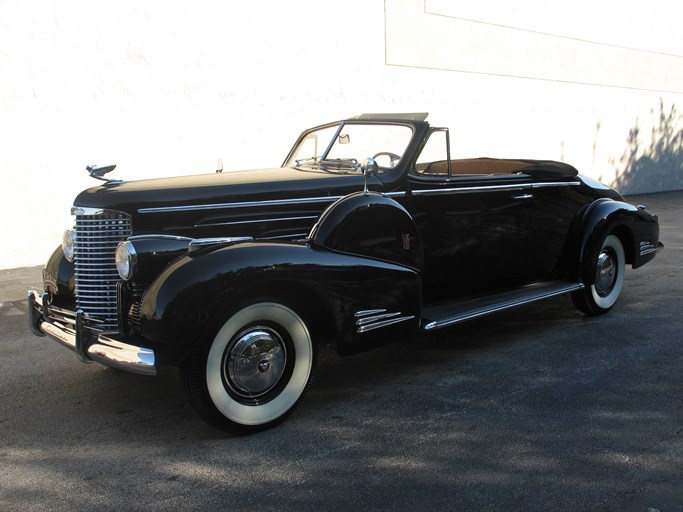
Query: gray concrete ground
{"type": "Point", "coordinates": [534, 409]}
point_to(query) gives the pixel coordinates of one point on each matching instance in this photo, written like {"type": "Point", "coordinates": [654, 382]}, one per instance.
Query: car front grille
{"type": "Point", "coordinates": [98, 232]}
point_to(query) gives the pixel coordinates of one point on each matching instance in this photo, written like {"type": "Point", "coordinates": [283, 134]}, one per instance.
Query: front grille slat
{"type": "Point", "coordinates": [96, 276]}
{"type": "Point", "coordinates": [95, 279]}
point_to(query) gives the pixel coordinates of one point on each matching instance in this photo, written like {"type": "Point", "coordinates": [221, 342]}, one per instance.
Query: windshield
{"type": "Point", "coordinates": [341, 147]}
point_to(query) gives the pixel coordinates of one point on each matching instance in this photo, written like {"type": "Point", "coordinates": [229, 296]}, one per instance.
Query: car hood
{"type": "Point", "coordinates": [227, 187]}
{"type": "Point", "coordinates": [183, 205]}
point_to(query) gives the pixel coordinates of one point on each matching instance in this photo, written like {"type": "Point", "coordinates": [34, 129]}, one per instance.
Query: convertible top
{"type": "Point", "coordinates": [549, 169]}
{"type": "Point", "coordinates": [538, 168]}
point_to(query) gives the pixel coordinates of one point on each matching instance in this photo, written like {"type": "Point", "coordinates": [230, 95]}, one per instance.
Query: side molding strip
{"type": "Point", "coordinates": [245, 204]}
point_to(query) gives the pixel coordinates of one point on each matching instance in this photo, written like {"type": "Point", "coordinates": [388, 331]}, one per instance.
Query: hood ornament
{"type": "Point", "coordinates": [99, 172]}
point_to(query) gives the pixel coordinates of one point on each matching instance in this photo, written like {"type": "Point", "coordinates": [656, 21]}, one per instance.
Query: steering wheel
{"type": "Point", "coordinates": [394, 159]}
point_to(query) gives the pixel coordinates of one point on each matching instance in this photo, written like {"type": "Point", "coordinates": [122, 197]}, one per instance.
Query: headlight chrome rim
{"type": "Point", "coordinates": [126, 260]}
{"type": "Point", "coordinates": [68, 244]}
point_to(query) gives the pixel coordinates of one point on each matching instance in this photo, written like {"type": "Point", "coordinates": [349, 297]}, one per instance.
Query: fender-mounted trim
{"type": "Point", "coordinates": [371, 319]}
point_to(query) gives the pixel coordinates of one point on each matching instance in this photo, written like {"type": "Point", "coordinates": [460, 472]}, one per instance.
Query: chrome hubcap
{"type": "Point", "coordinates": [606, 274]}
{"type": "Point", "coordinates": [255, 362]}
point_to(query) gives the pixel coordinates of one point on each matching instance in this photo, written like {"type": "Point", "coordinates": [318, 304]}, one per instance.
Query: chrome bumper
{"type": "Point", "coordinates": [101, 349]}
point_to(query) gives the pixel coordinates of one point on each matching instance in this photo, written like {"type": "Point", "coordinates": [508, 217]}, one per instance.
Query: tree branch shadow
{"type": "Point", "coordinates": [657, 167]}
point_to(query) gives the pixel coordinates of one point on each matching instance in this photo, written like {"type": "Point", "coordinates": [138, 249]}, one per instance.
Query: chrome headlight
{"type": "Point", "coordinates": [68, 244]}
{"type": "Point", "coordinates": [126, 260]}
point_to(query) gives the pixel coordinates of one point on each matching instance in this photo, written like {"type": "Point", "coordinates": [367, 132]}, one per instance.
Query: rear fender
{"type": "Point", "coordinates": [637, 229]}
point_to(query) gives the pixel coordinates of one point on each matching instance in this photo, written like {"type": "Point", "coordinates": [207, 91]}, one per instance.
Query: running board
{"type": "Point", "coordinates": [443, 315]}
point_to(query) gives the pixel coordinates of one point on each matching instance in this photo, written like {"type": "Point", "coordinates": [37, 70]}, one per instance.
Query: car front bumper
{"type": "Point", "coordinates": [89, 347]}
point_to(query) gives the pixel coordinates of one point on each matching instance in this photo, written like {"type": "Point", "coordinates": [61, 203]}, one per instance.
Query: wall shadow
{"type": "Point", "coordinates": [658, 166]}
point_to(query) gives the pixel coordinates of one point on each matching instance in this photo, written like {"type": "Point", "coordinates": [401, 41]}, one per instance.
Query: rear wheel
{"type": "Point", "coordinates": [253, 370]}
{"type": "Point", "coordinates": [604, 285]}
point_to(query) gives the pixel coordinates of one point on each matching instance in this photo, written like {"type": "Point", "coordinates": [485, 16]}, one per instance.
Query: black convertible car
{"type": "Point", "coordinates": [368, 232]}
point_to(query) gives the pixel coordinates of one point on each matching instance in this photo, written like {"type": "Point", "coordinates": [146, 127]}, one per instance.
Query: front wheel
{"type": "Point", "coordinates": [604, 286]}
{"type": "Point", "coordinates": [252, 371]}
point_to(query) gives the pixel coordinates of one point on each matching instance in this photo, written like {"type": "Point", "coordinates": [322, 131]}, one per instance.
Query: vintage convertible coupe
{"type": "Point", "coordinates": [237, 277]}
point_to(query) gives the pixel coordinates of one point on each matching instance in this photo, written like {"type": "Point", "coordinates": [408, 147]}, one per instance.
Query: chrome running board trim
{"type": "Point", "coordinates": [436, 317]}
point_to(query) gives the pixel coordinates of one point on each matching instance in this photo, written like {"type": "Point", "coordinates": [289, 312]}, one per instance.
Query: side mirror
{"type": "Point", "coordinates": [369, 168]}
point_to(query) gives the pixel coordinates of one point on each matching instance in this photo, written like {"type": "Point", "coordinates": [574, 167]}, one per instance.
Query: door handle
{"type": "Point", "coordinates": [523, 196]}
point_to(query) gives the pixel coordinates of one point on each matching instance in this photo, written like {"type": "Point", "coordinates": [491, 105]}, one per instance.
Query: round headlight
{"type": "Point", "coordinates": [68, 244]}
{"type": "Point", "coordinates": [126, 259]}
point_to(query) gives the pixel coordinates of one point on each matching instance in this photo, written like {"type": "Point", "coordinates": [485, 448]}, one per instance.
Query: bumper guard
{"type": "Point", "coordinates": [101, 349]}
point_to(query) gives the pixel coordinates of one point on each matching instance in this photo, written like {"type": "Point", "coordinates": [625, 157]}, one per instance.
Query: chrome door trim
{"type": "Point", "coordinates": [488, 188]}
{"type": "Point", "coordinates": [465, 190]}
{"type": "Point", "coordinates": [556, 184]}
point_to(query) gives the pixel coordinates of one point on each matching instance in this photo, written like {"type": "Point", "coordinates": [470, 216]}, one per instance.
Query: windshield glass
{"type": "Point", "coordinates": [341, 147]}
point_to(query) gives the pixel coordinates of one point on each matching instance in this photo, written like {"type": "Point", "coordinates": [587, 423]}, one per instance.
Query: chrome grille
{"type": "Point", "coordinates": [98, 232]}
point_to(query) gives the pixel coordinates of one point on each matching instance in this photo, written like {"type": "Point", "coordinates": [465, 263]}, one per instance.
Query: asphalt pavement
{"type": "Point", "coordinates": [538, 408]}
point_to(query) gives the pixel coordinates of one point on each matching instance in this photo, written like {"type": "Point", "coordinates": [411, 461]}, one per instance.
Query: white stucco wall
{"type": "Point", "coordinates": [165, 88]}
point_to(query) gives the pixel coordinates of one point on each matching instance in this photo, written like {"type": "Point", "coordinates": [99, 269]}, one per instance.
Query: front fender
{"type": "Point", "coordinates": [344, 295]}
{"type": "Point", "coordinates": [59, 277]}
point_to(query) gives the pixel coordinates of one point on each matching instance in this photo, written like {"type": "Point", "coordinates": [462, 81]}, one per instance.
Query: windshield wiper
{"type": "Point", "coordinates": [341, 164]}
{"type": "Point", "coordinates": [333, 165]}
{"type": "Point", "coordinates": [306, 161]}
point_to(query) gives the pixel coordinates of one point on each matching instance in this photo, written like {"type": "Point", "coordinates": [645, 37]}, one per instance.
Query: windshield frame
{"type": "Point", "coordinates": [344, 166]}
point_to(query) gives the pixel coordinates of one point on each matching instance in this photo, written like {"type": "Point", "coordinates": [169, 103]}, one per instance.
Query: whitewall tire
{"type": "Point", "coordinates": [604, 285]}
{"type": "Point", "coordinates": [252, 371]}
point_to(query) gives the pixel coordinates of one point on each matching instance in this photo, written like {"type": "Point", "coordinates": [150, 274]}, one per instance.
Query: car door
{"type": "Point", "coordinates": [475, 224]}
{"type": "Point", "coordinates": [475, 232]}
